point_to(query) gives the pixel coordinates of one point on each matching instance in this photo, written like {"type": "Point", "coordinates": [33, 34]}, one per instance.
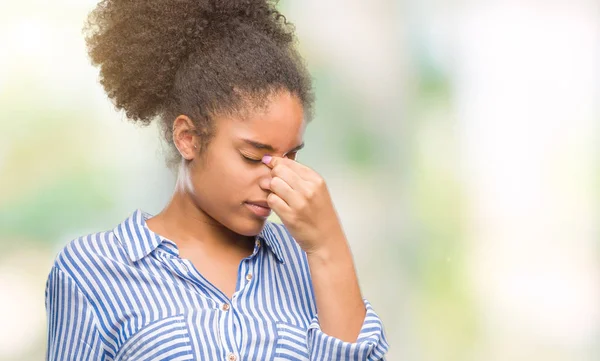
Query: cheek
{"type": "Point", "coordinates": [217, 191]}
{"type": "Point", "coordinates": [228, 177]}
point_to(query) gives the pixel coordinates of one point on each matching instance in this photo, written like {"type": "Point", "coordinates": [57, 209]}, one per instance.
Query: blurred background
{"type": "Point", "coordinates": [459, 139]}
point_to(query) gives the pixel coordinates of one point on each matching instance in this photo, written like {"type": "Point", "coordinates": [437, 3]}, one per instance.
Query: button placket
{"type": "Point", "coordinates": [226, 326]}
{"type": "Point", "coordinates": [243, 276]}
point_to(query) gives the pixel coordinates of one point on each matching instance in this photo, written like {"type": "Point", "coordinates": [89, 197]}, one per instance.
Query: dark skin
{"type": "Point", "coordinates": [214, 227]}
{"type": "Point", "coordinates": [215, 230]}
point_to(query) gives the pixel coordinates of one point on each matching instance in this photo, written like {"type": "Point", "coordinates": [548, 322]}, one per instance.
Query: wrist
{"type": "Point", "coordinates": [332, 251]}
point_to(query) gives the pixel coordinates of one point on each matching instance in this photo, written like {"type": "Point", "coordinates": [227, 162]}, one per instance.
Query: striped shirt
{"type": "Point", "coordinates": [125, 294]}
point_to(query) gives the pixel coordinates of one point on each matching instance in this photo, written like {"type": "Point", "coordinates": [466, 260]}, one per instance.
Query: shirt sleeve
{"type": "Point", "coordinates": [371, 344]}
{"type": "Point", "coordinates": [71, 322]}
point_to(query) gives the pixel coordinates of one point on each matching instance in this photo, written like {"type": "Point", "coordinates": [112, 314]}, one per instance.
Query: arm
{"type": "Point", "coordinates": [346, 328]}
{"type": "Point", "coordinates": [337, 294]}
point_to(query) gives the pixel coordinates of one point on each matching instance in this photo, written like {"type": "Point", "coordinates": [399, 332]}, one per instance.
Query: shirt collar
{"type": "Point", "coordinates": [269, 236]}
{"type": "Point", "coordinates": [139, 241]}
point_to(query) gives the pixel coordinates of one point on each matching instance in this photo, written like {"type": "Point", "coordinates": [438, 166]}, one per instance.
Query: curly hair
{"type": "Point", "coordinates": [163, 58]}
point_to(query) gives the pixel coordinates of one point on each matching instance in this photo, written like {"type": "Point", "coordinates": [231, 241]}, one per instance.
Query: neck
{"type": "Point", "coordinates": [184, 223]}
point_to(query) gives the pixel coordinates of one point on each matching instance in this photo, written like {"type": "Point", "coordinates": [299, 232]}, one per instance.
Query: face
{"type": "Point", "coordinates": [230, 174]}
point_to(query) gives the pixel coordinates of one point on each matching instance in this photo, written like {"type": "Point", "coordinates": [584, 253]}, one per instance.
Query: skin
{"type": "Point", "coordinates": [215, 229]}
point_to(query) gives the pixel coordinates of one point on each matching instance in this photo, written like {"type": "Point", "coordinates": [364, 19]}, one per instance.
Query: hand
{"type": "Point", "coordinates": [301, 199]}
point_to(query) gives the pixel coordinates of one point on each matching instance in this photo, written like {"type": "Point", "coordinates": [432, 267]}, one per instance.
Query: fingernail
{"type": "Point", "coordinates": [266, 159]}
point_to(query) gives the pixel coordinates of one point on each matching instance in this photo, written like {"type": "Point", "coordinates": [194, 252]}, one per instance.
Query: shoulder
{"type": "Point", "coordinates": [89, 253]}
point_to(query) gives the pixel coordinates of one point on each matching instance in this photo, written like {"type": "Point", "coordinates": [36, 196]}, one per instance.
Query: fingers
{"type": "Point", "coordinates": [284, 191]}
{"type": "Point", "coordinates": [289, 176]}
{"type": "Point", "coordinates": [303, 171]}
{"type": "Point", "coordinates": [288, 184]}
{"type": "Point", "coordinates": [278, 205]}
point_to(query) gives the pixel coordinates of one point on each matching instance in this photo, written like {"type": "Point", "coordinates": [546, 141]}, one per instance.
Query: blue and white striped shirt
{"type": "Point", "coordinates": [126, 294]}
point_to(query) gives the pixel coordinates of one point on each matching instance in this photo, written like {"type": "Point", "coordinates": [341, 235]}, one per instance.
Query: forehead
{"type": "Point", "coordinates": [279, 122]}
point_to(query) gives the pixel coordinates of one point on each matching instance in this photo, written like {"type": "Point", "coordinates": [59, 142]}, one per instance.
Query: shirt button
{"type": "Point", "coordinates": [231, 357]}
{"type": "Point", "coordinates": [249, 276]}
{"type": "Point", "coordinates": [225, 307]}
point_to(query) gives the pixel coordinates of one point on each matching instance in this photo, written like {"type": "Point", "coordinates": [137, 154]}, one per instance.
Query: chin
{"type": "Point", "coordinates": [250, 227]}
{"type": "Point", "coordinates": [245, 225]}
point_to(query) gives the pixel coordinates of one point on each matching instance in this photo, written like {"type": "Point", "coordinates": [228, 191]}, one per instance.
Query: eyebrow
{"type": "Point", "coordinates": [268, 147]}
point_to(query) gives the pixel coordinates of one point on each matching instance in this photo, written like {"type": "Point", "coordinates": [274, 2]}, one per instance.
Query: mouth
{"type": "Point", "coordinates": [260, 209]}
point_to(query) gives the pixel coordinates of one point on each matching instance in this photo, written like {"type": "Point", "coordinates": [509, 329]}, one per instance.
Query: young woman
{"type": "Point", "coordinates": [209, 278]}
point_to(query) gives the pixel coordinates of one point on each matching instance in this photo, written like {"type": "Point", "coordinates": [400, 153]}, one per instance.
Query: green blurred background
{"type": "Point", "coordinates": [460, 142]}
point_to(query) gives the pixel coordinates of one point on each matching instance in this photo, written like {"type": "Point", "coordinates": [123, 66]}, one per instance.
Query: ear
{"type": "Point", "coordinates": [184, 137]}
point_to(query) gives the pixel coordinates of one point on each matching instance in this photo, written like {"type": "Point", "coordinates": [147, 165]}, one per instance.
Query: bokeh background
{"type": "Point", "coordinates": [459, 139]}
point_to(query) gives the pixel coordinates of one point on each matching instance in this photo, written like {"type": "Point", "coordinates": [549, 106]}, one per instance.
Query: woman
{"type": "Point", "coordinates": [209, 278]}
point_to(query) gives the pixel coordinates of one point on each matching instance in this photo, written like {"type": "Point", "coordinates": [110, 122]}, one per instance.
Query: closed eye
{"type": "Point", "coordinates": [251, 160]}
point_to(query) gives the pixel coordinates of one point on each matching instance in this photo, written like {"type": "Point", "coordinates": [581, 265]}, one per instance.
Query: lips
{"type": "Point", "coordinates": [260, 209]}
{"type": "Point", "coordinates": [263, 204]}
